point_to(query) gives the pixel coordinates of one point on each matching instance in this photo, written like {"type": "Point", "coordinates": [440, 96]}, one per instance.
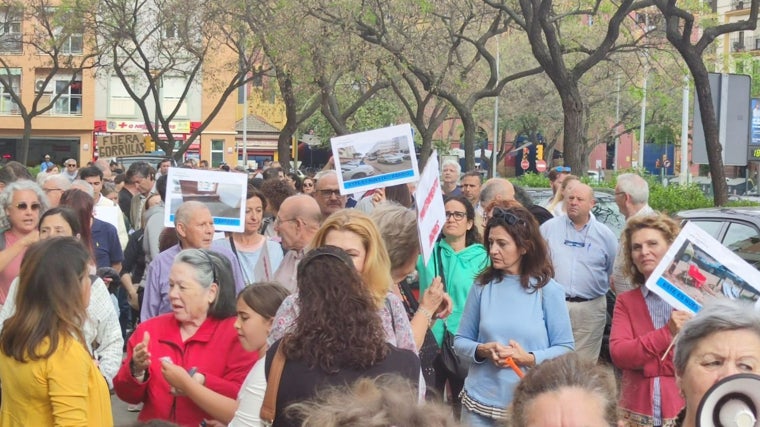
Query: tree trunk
{"type": "Point", "coordinates": [572, 107]}
{"type": "Point", "coordinates": [470, 127]}
{"type": "Point", "coordinates": [26, 138]}
{"type": "Point", "coordinates": [427, 148]}
{"type": "Point", "coordinates": [710, 126]}
{"type": "Point", "coordinates": [284, 141]}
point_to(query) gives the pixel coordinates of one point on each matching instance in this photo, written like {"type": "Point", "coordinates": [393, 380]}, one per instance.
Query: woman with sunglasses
{"type": "Point", "coordinates": [458, 258]}
{"type": "Point", "coordinates": [515, 316]}
{"type": "Point", "coordinates": [307, 186]}
{"type": "Point", "coordinates": [23, 202]}
{"type": "Point", "coordinates": [198, 336]}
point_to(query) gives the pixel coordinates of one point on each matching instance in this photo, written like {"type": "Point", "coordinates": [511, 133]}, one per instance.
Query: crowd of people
{"type": "Point", "coordinates": [502, 325]}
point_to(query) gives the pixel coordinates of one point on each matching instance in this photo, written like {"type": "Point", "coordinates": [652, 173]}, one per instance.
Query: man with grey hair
{"type": "Point", "coordinates": [70, 169]}
{"type": "Point", "coordinates": [493, 189]}
{"type": "Point", "coordinates": [54, 186]}
{"type": "Point", "coordinates": [450, 171]}
{"type": "Point", "coordinates": [195, 230]}
{"type": "Point", "coordinates": [327, 193]}
{"type": "Point", "coordinates": [632, 197]}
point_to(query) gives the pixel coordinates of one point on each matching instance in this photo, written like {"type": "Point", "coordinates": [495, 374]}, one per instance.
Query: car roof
{"type": "Point", "coordinates": [750, 213]}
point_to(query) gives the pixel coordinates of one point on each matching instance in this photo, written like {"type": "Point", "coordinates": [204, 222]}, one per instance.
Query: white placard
{"type": "Point", "coordinates": [431, 214]}
{"type": "Point", "coordinates": [373, 159]}
{"type": "Point", "coordinates": [697, 267]}
{"type": "Point", "coordinates": [224, 193]}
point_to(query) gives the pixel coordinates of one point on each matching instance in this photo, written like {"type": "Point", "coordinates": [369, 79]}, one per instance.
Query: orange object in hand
{"type": "Point", "coordinates": [511, 363]}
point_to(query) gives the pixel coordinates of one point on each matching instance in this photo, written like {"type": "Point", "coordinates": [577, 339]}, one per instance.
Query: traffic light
{"type": "Point", "coordinates": [150, 144]}
{"type": "Point", "coordinates": [540, 152]}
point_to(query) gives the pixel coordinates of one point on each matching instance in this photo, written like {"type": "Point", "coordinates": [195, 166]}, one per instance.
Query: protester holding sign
{"type": "Point", "coordinates": [644, 327]}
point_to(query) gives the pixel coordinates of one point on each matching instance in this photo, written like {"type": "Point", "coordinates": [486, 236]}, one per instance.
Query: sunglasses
{"type": "Point", "coordinates": [506, 216]}
{"type": "Point", "coordinates": [308, 184]}
{"type": "Point", "coordinates": [456, 214]}
{"type": "Point", "coordinates": [562, 169]}
{"type": "Point", "coordinates": [71, 165]}
{"type": "Point", "coordinates": [24, 206]}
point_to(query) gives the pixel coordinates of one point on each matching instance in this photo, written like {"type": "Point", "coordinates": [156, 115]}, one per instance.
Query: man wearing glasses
{"type": "Point", "coordinates": [296, 223]}
{"type": "Point", "coordinates": [70, 169]}
{"type": "Point", "coordinates": [583, 252]}
{"type": "Point", "coordinates": [327, 193]}
{"type": "Point", "coordinates": [54, 186]}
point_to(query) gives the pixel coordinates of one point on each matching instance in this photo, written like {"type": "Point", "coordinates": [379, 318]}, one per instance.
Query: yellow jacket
{"type": "Point", "coordinates": [65, 389]}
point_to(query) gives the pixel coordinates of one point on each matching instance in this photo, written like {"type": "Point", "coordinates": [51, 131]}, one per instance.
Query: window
{"type": "Point", "coordinates": [217, 152]}
{"type": "Point", "coordinates": [68, 36]}
{"type": "Point", "coordinates": [711, 227]}
{"type": "Point", "coordinates": [9, 77]}
{"type": "Point", "coordinates": [172, 90]}
{"type": "Point", "coordinates": [70, 101]}
{"type": "Point", "coordinates": [119, 101]}
{"type": "Point", "coordinates": [170, 30]}
{"type": "Point", "coordinates": [73, 45]}
{"type": "Point", "coordinates": [10, 31]}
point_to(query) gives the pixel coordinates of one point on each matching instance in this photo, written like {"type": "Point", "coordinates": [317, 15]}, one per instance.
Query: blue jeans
{"type": "Point", "coordinates": [471, 419]}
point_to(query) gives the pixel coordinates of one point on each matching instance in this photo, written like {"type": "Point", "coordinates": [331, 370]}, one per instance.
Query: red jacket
{"type": "Point", "coordinates": [637, 348]}
{"type": "Point", "coordinates": [214, 350]}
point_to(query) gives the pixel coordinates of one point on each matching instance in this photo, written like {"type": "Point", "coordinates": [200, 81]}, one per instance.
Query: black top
{"type": "Point", "coordinates": [125, 201]}
{"type": "Point", "coordinates": [300, 383]}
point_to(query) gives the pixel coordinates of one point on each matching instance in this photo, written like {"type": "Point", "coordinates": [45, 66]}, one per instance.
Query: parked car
{"type": "Point", "coordinates": [391, 159]}
{"type": "Point", "coordinates": [605, 210]}
{"type": "Point", "coordinates": [738, 229]}
{"type": "Point", "coordinates": [356, 170]}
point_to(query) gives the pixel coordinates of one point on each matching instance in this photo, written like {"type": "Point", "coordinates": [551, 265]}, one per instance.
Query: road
{"type": "Point", "coordinates": [121, 417]}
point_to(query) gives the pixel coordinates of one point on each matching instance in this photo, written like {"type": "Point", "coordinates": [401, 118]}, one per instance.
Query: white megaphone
{"type": "Point", "coordinates": [731, 402]}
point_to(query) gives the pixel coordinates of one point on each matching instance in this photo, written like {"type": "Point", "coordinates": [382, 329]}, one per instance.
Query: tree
{"type": "Point", "coordinates": [198, 47]}
{"type": "Point", "coordinates": [56, 40]}
{"type": "Point", "coordinates": [566, 56]}
{"type": "Point", "coordinates": [680, 27]}
{"type": "Point", "coordinates": [443, 44]}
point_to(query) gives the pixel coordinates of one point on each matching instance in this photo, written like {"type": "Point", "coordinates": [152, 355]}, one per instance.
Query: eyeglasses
{"type": "Point", "coordinates": [506, 216]}
{"type": "Point", "coordinates": [278, 221]}
{"type": "Point", "coordinates": [308, 184]}
{"type": "Point", "coordinates": [71, 165]}
{"type": "Point", "coordinates": [562, 169]}
{"type": "Point", "coordinates": [617, 193]}
{"type": "Point", "coordinates": [456, 214]}
{"type": "Point", "coordinates": [50, 190]}
{"type": "Point", "coordinates": [329, 193]}
{"type": "Point", "coordinates": [24, 206]}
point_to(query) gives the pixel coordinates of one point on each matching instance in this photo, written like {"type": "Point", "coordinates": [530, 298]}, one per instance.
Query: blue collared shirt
{"type": "Point", "coordinates": [583, 259]}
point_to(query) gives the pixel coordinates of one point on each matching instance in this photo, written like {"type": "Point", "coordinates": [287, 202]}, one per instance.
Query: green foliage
{"type": "Point", "coordinates": [533, 180]}
{"type": "Point", "coordinates": [740, 203]}
{"type": "Point", "coordinates": [674, 198]}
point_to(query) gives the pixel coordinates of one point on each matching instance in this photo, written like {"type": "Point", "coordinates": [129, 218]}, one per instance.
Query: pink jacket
{"type": "Point", "coordinates": [214, 350]}
{"type": "Point", "coordinates": [637, 348]}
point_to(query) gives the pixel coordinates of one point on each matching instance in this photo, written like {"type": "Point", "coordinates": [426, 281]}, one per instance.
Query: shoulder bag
{"type": "Point", "coordinates": [455, 366]}
{"type": "Point", "coordinates": [269, 406]}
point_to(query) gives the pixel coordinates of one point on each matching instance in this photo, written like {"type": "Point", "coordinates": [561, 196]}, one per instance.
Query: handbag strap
{"type": "Point", "coordinates": [269, 405]}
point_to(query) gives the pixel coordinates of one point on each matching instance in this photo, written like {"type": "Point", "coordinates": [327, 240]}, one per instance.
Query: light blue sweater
{"type": "Point", "coordinates": [501, 311]}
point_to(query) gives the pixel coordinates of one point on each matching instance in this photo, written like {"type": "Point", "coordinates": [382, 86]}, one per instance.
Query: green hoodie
{"type": "Point", "coordinates": [460, 270]}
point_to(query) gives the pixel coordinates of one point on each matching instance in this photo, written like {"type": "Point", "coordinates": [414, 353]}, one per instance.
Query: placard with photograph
{"type": "Point", "coordinates": [698, 267]}
{"type": "Point", "coordinates": [376, 158]}
{"type": "Point", "coordinates": [224, 193]}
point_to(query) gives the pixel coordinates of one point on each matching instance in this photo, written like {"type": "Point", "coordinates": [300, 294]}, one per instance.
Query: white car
{"type": "Point", "coordinates": [391, 159]}
{"type": "Point", "coordinates": [356, 170]}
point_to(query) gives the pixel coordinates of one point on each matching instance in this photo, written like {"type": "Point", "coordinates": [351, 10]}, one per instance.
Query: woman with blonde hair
{"type": "Point", "coordinates": [48, 375]}
{"type": "Point", "coordinates": [355, 233]}
{"type": "Point", "coordinates": [557, 205]}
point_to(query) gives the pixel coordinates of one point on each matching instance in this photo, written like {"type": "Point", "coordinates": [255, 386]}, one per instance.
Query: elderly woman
{"type": "Point", "coordinates": [333, 342]}
{"type": "Point", "coordinates": [249, 245]}
{"type": "Point", "coordinates": [722, 339]}
{"type": "Point", "coordinates": [515, 316]}
{"type": "Point", "coordinates": [49, 377]}
{"type": "Point", "coordinates": [643, 328]}
{"type": "Point", "coordinates": [566, 391]}
{"type": "Point", "coordinates": [23, 201]}
{"type": "Point", "coordinates": [198, 336]}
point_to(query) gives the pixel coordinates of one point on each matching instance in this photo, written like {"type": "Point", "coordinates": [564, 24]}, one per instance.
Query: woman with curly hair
{"type": "Point", "coordinates": [331, 347]}
{"type": "Point", "coordinates": [355, 233]}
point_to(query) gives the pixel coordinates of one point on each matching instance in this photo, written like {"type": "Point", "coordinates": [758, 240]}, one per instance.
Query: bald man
{"type": "Point", "coordinates": [195, 230]}
{"type": "Point", "coordinates": [53, 187]}
{"type": "Point", "coordinates": [327, 193]}
{"type": "Point", "coordinates": [296, 223]}
{"type": "Point", "coordinates": [583, 253]}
